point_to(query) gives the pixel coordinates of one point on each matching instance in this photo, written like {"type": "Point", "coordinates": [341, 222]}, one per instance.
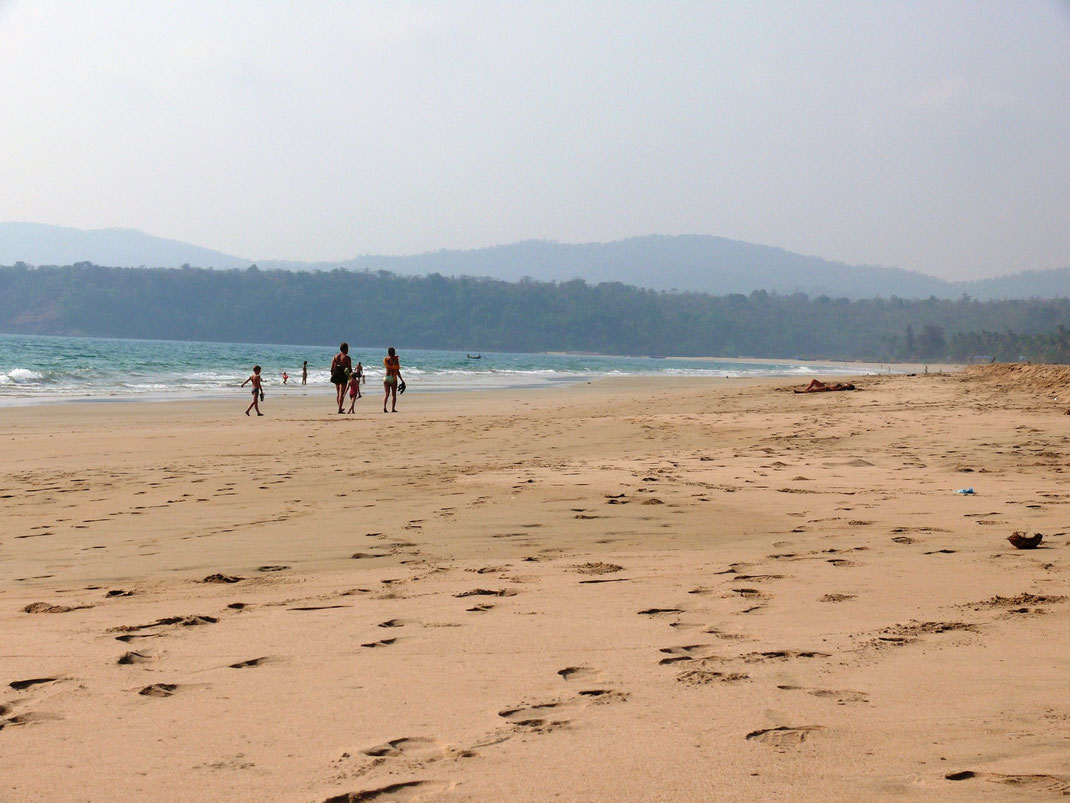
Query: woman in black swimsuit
{"type": "Point", "coordinates": [340, 367]}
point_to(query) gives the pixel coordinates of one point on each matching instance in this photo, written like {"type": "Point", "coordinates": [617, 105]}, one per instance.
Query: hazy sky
{"type": "Point", "coordinates": [926, 135]}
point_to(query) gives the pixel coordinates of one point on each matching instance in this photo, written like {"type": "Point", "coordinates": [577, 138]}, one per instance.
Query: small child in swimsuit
{"type": "Point", "coordinates": [354, 390]}
{"type": "Point", "coordinates": [257, 390]}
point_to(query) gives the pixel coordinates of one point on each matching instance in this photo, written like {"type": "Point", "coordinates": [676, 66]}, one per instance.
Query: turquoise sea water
{"type": "Point", "coordinates": [40, 369]}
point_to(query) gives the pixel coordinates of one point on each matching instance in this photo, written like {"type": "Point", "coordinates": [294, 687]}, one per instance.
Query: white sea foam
{"type": "Point", "coordinates": [20, 376]}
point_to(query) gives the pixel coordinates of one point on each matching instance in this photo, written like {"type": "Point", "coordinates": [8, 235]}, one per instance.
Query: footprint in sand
{"type": "Point", "coordinates": [486, 592]}
{"type": "Point", "coordinates": [748, 593]}
{"type": "Point", "coordinates": [182, 621]}
{"type": "Point", "coordinates": [836, 598]}
{"type": "Point", "coordinates": [688, 652]}
{"type": "Point", "coordinates": [130, 658]}
{"type": "Point", "coordinates": [579, 673]}
{"type": "Point", "coordinates": [21, 685]}
{"type": "Point", "coordinates": [45, 607]}
{"type": "Point", "coordinates": [483, 607]}
{"type": "Point", "coordinates": [703, 677]}
{"type": "Point", "coordinates": [907, 634]}
{"type": "Point", "coordinates": [757, 578]}
{"type": "Point", "coordinates": [660, 611]}
{"type": "Point", "coordinates": [386, 642]}
{"type": "Point", "coordinates": [783, 737]}
{"type": "Point", "coordinates": [841, 696]}
{"type": "Point", "coordinates": [417, 748]}
{"type": "Point", "coordinates": [713, 631]}
{"type": "Point", "coordinates": [395, 792]}
{"type": "Point", "coordinates": [1020, 603]}
{"type": "Point", "coordinates": [544, 717]}
{"type": "Point", "coordinates": [780, 655]}
{"type": "Point", "coordinates": [541, 716]}
{"type": "Point", "coordinates": [598, 568]}
{"type": "Point", "coordinates": [252, 662]}
{"type": "Point", "coordinates": [27, 718]}
{"type": "Point", "coordinates": [1035, 784]}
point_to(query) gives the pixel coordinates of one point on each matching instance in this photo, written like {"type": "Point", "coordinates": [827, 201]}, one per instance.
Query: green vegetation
{"type": "Point", "coordinates": [463, 313]}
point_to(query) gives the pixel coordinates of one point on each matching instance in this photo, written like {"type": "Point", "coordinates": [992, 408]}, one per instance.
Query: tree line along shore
{"type": "Point", "coordinates": [436, 311]}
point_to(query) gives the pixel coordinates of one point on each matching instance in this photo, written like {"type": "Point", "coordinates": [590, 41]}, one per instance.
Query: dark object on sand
{"type": "Point", "coordinates": [1023, 541]}
{"type": "Point", "coordinates": [222, 578]}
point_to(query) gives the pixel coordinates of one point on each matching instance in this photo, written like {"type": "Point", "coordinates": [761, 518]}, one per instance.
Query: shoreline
{"type": "Point", "coordinates": [276, 392]}
{"type": "Point", "coordinates": [325, 396]}
{"type": "Point", "coordinates": [899, 367]}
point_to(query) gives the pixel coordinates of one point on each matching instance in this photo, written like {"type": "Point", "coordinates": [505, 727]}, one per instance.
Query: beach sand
{"type": "Point", "coordinates": [627, 590]}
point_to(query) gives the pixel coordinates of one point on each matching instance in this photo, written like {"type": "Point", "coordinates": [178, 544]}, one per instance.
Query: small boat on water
{"type": "Point", "coordinates": [474, 357]}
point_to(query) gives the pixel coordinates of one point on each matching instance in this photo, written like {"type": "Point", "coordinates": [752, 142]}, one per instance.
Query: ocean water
{"type": "Point", "coordinates": [36, 369]}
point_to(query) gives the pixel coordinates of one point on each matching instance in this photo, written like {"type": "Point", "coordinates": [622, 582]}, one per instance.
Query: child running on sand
{"type": "Point", "coordinates": [257, 390]}
{"type": "Point", "coordinates": [354, 389]}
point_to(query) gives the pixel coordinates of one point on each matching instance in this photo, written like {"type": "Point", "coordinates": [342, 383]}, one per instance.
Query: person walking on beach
{"type": "Point", "coordinates": [304, 373]}
{"type": "Point", "coordinates": [392, 379]}
{"type": "Point", "coordinates": [257, 390]}
{"type": "Point", "coordinates": [341, 365]}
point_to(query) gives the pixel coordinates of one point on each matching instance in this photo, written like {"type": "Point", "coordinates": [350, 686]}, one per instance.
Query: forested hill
{"type": "Point", "coordinates": [437, 312]}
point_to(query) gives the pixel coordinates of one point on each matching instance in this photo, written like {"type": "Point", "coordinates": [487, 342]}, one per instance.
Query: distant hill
{"type": "Point", "coordinates": [697, 263]}
{"type": "Point", "coordinates": [1027, 284]}
{"type": "Point", "coordinates": [42, 244]}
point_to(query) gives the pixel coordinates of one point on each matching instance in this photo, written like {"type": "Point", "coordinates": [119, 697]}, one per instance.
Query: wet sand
{"type": "Point", "coordinates": [672, 590]}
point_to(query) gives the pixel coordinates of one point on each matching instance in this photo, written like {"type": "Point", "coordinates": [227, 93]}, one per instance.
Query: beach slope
{"type": "Point", "coordinates": [688, 590]}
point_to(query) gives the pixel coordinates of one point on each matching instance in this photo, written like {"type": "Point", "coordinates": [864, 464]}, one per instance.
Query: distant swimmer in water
{"type": "Point", "coordinates": [817, 386]}
{"type": "Point", "coordinates": [392, 379]}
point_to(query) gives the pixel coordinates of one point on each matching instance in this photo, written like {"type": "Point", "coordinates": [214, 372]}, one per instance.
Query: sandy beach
{"type": "Point", "coordinates": [686, 589]}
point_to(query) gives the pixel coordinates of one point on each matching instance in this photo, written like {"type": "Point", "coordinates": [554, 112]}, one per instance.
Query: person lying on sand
{"type": "Point", "coordinates": [817, 386]}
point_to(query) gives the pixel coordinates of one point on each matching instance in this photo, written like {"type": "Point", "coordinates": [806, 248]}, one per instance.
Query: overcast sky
{"type": "Point", "coordinates": [926, 135]}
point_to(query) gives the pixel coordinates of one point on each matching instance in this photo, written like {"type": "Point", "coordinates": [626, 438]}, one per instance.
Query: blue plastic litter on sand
{"type": "Point", "coordinates": [965, 491]}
